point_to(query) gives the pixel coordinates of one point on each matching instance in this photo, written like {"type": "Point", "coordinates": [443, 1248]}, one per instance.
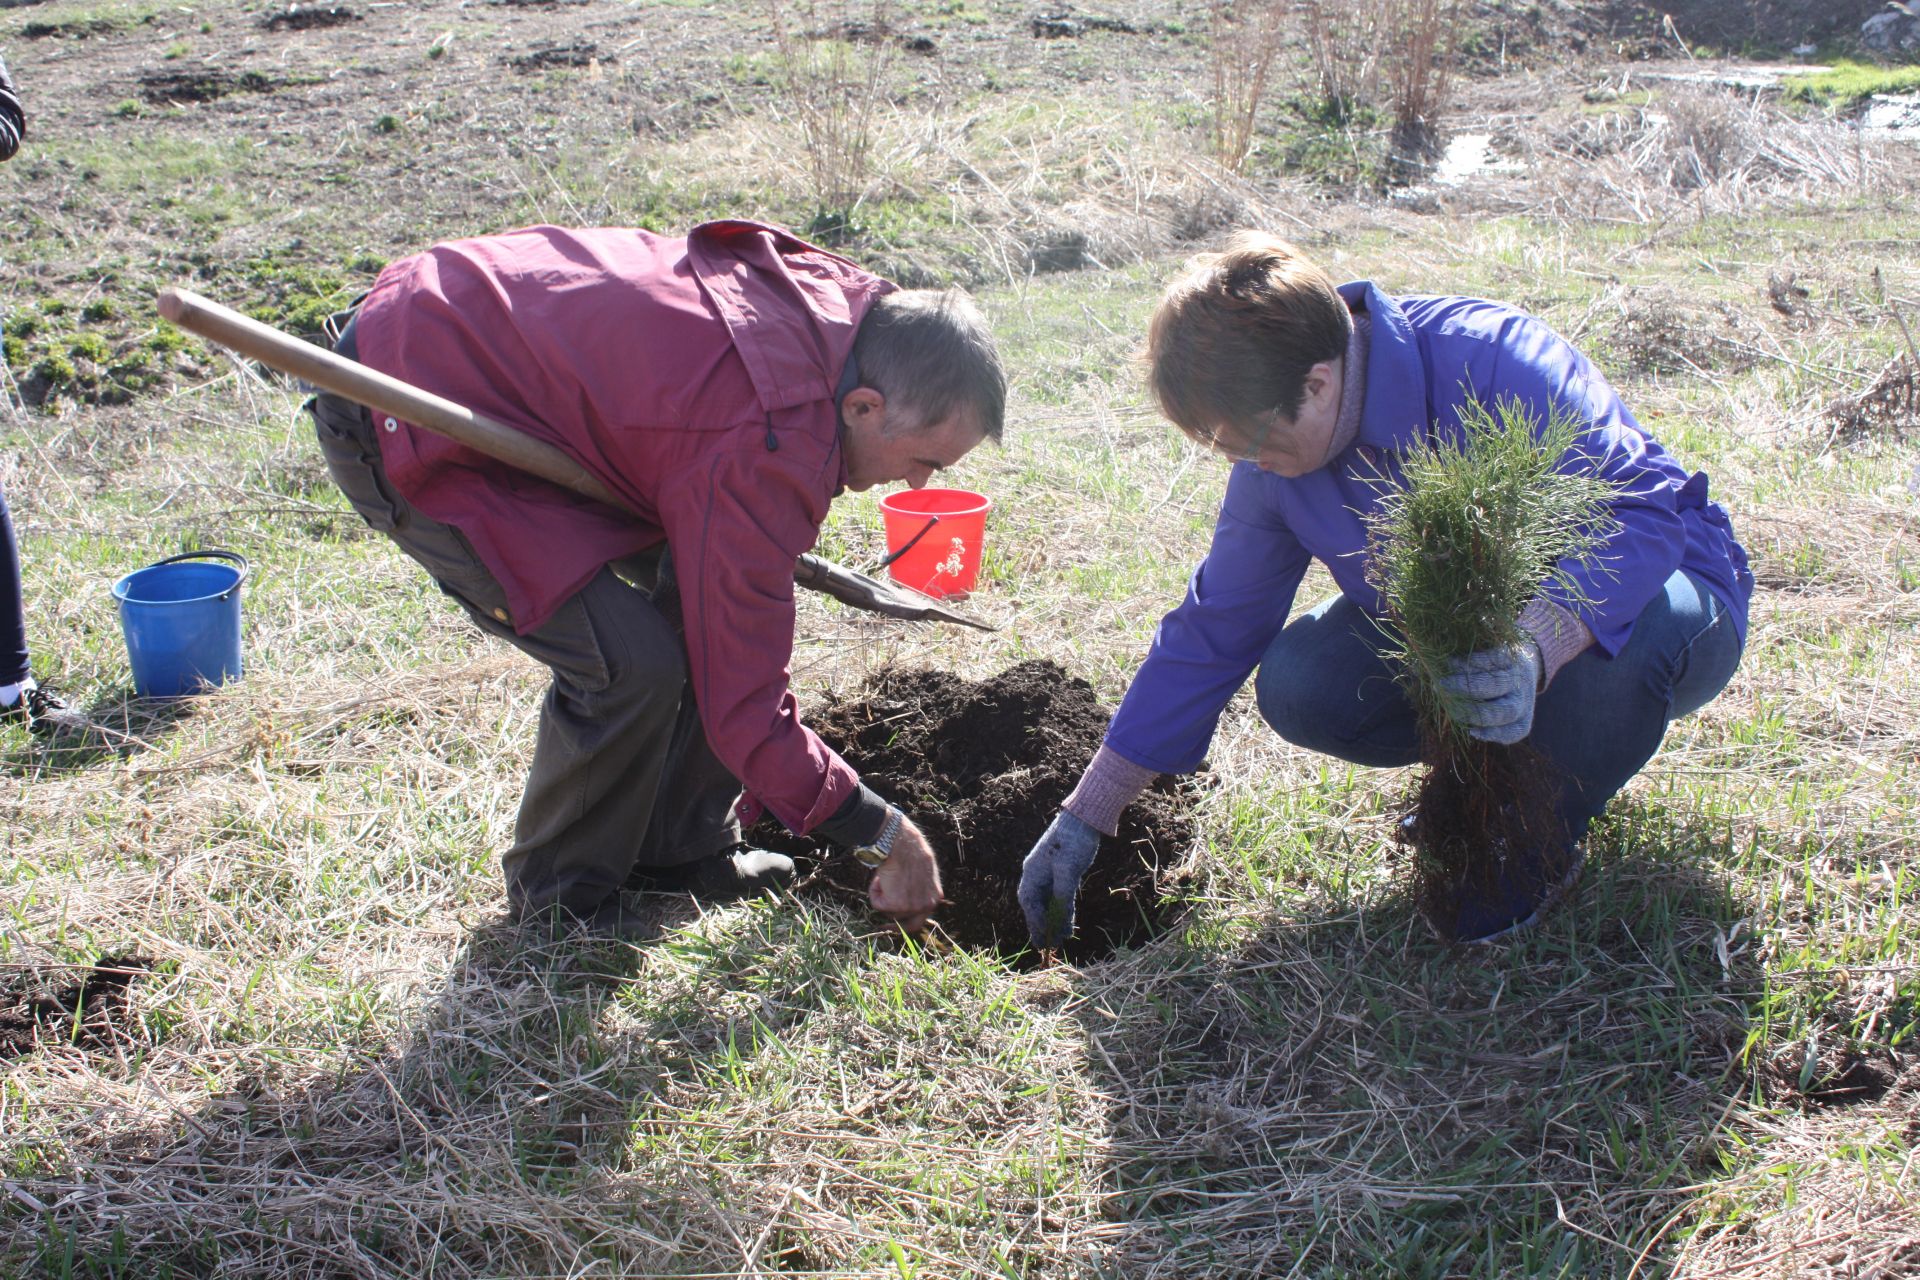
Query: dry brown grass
{"type": "Point", "coordinates": [1698, 151]}
{"type": "Point", "coordinates": [345, 1066]}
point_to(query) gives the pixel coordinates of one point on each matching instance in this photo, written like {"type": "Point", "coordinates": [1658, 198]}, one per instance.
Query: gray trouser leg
{"type": "Point", "coordinates": [622, 774]}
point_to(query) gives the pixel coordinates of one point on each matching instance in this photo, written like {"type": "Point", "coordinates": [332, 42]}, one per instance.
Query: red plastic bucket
{"type": "Point", "coordinates": [946, 528]}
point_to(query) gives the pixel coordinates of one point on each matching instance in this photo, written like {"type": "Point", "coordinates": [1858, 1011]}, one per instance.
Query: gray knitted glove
{"type": "Point", "coordinates": [1050, 878]}
{"type": "Point", "coordinates": [1490, 693]}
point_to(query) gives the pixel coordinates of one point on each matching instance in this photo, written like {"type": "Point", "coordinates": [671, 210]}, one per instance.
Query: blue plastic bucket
{"type": "Point", "coordinates": [181, 618]}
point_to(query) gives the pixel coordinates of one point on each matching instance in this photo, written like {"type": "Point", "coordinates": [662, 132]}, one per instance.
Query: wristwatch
{"type": "Point", "coordinates": [872, 855]}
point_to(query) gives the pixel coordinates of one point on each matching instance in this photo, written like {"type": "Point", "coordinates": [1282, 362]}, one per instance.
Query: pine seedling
{"type": "Point", "coordinates": [1474, 528]}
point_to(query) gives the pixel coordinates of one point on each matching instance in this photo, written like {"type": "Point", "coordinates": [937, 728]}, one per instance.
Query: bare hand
{"type": "Point", "coordinates": [907, 885]}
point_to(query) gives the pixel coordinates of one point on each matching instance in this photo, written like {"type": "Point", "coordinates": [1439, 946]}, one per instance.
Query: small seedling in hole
{"type": "Point", "coordinates": [387, 124]}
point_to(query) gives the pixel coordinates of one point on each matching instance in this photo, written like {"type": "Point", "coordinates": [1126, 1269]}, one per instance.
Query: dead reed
{"type": "Point", "coordinates": [1244, 37]}
{"type": "Point", "coordinates": [834, 57]}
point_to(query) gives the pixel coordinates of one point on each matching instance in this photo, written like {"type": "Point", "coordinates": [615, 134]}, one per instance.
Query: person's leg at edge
{"type": "Point", "coordinates": [44, 708]}
{"type": "Point", "coordinates": [14, 664]}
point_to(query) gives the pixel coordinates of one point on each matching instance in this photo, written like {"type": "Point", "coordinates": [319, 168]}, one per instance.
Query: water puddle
{"type": "Point", "coordinates": [1893, 116]}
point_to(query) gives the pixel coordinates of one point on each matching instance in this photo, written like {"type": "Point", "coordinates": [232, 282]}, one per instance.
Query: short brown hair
{"type": "Point", "coordinates": [1236, 333]}
{"type": "Point", "coordinates": [930, 352]}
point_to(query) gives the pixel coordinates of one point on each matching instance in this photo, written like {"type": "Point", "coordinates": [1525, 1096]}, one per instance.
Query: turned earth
{"type": "Point", "coordinates": [982, 768]}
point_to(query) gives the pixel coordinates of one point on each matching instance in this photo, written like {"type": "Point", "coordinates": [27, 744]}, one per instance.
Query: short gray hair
{"type": "Point", "coordinates": [930, 352]}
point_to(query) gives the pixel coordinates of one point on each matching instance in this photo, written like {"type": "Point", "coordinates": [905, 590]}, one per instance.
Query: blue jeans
{"type": "Point", "coordinates": [1324, 684]}
{"type": "Point", "coordinates": [13, 610]}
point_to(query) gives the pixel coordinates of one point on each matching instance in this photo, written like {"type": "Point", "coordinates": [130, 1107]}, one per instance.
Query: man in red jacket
{"type": "Point", "coordinates": [728, 385]}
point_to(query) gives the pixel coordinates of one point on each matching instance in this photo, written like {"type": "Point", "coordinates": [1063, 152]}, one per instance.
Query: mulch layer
{"type": "Point", "coordinates": [982, 769]}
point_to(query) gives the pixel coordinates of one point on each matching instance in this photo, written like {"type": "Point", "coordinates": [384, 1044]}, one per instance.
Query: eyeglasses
{"type": "Point", "coordinates": [1218, 442]}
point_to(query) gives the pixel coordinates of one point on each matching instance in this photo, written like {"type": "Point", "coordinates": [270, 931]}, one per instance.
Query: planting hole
{"type": "Point", "coordinates": [982, 769]}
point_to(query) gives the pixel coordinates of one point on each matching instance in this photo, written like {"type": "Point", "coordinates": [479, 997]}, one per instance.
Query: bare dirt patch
{"type": "Point", "coordinates": [982, 768]}
{"type": "Point", "coordinates": [1835, 1078]}
{"type": "Point", "coordinates": [50, 1006]}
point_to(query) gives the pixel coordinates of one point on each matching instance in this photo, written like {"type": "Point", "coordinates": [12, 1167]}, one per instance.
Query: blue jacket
{"type": "Point", "coordinates": [1427, 356]}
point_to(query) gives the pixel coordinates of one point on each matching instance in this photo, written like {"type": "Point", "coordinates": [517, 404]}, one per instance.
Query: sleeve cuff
{"type": "Point", "coordinates": [857, 821]}
{"type": "Point", "coordinates": [1110, 784]}
{"type": "Point", "coordinates": [1559, 632]}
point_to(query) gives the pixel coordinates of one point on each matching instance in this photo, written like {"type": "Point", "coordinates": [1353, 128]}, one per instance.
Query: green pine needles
{"type": "Point", "coordinates": [1475, 529]}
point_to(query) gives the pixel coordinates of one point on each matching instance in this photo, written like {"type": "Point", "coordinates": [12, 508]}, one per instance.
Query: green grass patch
{"type": "Point", "coordinates": [1846, 84]}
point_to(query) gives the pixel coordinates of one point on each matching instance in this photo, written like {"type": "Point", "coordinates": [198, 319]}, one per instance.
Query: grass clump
{"type": "Point", "coordinates": [1479, 525]}
{"type": "Point", "coordinates": [1846, 84]}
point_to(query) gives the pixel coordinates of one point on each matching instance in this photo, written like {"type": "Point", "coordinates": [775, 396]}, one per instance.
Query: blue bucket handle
{"type": "Point", "coordinates": [210, 554]}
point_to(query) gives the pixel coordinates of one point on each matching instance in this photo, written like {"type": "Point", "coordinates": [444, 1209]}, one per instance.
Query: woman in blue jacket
{"type": "Point", "coordinates": [1313, 392]}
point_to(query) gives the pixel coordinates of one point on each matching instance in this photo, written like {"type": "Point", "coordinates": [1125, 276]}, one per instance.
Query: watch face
{"type": "Point", "coordinates": [870, 855]}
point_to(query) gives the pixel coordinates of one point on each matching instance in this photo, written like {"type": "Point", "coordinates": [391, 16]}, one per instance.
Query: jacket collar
{"type": "Point", "coordinates": [1394, 416]}
{"type": "Point", "coordinates": [791, 308]}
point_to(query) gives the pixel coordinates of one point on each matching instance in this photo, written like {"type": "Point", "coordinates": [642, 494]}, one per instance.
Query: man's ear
{"type": "Point", "coordinates": [863, 406]}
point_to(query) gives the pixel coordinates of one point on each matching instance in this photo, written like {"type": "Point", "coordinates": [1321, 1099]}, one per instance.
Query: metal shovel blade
{"type": "Point", "coordinates": [863, 592]}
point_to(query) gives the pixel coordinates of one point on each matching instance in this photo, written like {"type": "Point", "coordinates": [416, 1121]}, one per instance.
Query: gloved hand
{"type": "Point", "coordinates": [1490, 693]}
{"type": "Point", "coordinates": [1050, 877]}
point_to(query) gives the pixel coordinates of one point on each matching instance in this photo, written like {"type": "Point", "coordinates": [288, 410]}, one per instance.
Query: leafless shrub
{"type": "Point", "coordinates": [1416, 63]}
{"type": "Point", "coordinates": [1244, 39]}
{"type": "Point", "coordinates": [1395, 54]}
{"type": "Point", "coordinates": [1661, 332]}
{"type": "Point", "coordinates": [832, 83]}
{"type": "Point", "coordinates": [1343, 44]}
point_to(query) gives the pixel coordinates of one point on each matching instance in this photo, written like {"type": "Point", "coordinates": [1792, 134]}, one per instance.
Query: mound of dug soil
{"type": "Point", "coordinates": [982, 769]}
{"type": "Point", "coordinates": [34, 1010]}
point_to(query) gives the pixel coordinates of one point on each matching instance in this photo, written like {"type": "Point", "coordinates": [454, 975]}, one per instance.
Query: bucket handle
{"type": "Point", "coordinates": [211, 554]}
{"type": "Point", "coordinates": [908, 545]}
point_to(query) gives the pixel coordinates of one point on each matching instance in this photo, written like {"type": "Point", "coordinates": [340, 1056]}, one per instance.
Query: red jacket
{"type": "Point", "coordinates": [696, 377]}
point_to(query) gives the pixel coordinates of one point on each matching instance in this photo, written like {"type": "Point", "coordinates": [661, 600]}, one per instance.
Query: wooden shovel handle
{"type": "Point", "coordinates": [391, 397]}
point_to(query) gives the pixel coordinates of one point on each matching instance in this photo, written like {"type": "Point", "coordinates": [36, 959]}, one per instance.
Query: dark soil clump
{"type": "Point", "coordinates": [202, 84]}
{"type": "Point", "coordinates": [78, 29]}
{"type": "Point", "coordinates": [34, 1011]}
{"type": "Point", "coordinates": [580, 53]}
{"type": "Point", "coordinates": [306, 17]}
{"type": "Point", "coordinates": [982, 769]}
